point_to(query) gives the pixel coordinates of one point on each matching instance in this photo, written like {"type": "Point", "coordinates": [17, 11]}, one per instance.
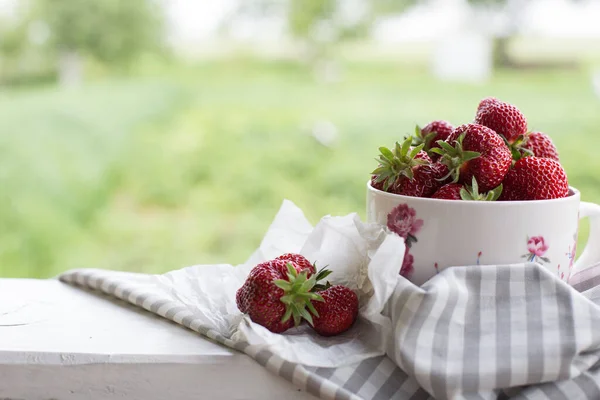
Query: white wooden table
{"type": "Point", "coordinates": [61, 342]}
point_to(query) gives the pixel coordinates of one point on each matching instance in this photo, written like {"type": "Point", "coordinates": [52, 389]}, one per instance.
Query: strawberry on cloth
{"type": "Point", "coordinates": [362, 257]}
{"type": "Point", "coordinates": [337, 312]}
{"type": "Point", "coordinates": [277, 295]}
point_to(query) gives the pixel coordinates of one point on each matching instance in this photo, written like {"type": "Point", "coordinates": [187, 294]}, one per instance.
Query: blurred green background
{"type": "Point", "coordinates": [149, 136]}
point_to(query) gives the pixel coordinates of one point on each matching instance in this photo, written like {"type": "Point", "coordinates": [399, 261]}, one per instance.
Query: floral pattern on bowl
{"type": "Point", "coordinates": [403, 221]}
{"type": "Point", "coordinates": [537, 248]}
{"type": "Point", "coordinates": [407, 264]}
{"type": "Point", "coordinates": [572, 253]}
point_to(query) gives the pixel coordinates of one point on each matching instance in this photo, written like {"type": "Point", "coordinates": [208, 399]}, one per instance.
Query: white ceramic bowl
{"type": "Point", "coordinates": [442, 233]}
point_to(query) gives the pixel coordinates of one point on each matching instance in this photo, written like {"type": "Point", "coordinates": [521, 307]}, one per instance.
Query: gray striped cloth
{"type": "Point", "coordinates": [490, 332]}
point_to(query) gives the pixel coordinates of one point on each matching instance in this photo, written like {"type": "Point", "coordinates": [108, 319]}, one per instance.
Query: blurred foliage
{"type": "Point", "coordinates": [304, 15]}
{"type": "Point", "coordinates": [153, 174]}
{"type": "Point", "coordinates": [13, 41]}
{"type": "Point", "coordinates": [108, 30]}
{"type": "Point", "coordinates": [190, 163]}
{"type": "Point", "coordinates": [13, 38]}
{"type": "Point", "coordinates": [61, 161]}
{"type": "Point", "coordinates": [384, 7]}
{"type": "Point", "coordinates": [111, 32]}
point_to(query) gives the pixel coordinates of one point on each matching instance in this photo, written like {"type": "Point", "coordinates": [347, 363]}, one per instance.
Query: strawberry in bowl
{"type": "Point", "coordinates": [496, 186]}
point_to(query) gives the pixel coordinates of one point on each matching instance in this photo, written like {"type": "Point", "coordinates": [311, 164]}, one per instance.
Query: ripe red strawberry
{"type": "Point", "coordinates": [535, 178]}
{"type": "Point", "coordinates": [421, 155]}
{"type": "Point", "coordinates": [503, 118]}
{"type": "Point", "coordinates": [450, 191]}
{"type": "Point", "coordinates": [397, 163]}
{"type": "Point", "coordinates": [376, 184]}
{"type": "Point", "coordinates": [337, 312]}
{"type": "Point", "coordinates": [456, 191]}
{"type": "Point", "coordinates": [426, 180]}
{"type": "Point", "coordinates": [300, 261]}
{"type": "Point", "coordinates": [430, 134]}
{"type": "Point", "coordinates": [442, 130]}
{"type": "Point", "coordinates": [485, 102]}
{"type": "Point", "coordinates": [476, 151]}
{"type": "Point", "coordinates": [276, 295]}
{"type": "Point", "coordinates": [540, 145]}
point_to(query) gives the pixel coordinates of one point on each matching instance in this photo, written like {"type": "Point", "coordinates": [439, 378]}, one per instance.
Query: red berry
{"type": "Point", "coordinates": [540, 145]}
{"type": "Point", "coordinates": [337, 312]}
{"type": "Point", "coordinates": [450, 191]}
{"type": "Point", "coordinates": [457, 191]}
{"type": "Point", "coordinates": [443, 129]}
{"type": "Point", "coordinates": [300, 261]}
{"type": "Point", "coordinates": [485, 102]}
{"type": "Point", "coordinates": [270, 297]}
{"type": "Point", "coordinates": [425, 182]}
{"type": "Point", "coordinates": [396, 164]}
{"type": "Point", "coordinates": [503, 118]}
{"type": "Point", "coordinates": [535, 178]}
{"type": "Point", "coordinates": [439, 130]}
{"type": "Point", "coordinates": [375, 184]}
{"type": "Point", "coordinates": [492, 164]}
{"type": "Point", "coordinates": [260, 297]}
{"type": "Point", "coordinates": [422, 155]}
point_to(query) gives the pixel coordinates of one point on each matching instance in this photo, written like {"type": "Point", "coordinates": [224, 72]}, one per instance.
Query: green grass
{"type": "Point", "coordinates": [155, 174]}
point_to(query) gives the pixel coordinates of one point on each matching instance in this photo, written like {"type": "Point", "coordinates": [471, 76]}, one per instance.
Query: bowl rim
{"type": "Point", "coordinates": [575, 195]}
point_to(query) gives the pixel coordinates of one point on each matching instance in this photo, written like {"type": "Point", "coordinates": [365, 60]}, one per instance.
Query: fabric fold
{"type": "Point", "coordinates": [470, 332]}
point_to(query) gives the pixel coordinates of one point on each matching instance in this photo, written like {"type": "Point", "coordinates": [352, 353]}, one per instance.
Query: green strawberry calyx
{"type": "Point", "coordinates": [298, 294]}
{"type": "Point", "coordinates": [322, 274]}
{"type": "Point", "coordinates": [397, 162]}
{"type": "Point", "coordinates": [425, 140]}
{"type": "Point", "coordinates": [454, 157]}
{"type": "Point", "coordinates": [472, 192]}
{"type": "Point", "coordinates": [517, 147]}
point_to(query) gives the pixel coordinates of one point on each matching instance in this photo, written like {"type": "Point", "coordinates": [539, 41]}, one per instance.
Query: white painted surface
{"type": "Point", "coordinates": [57, 341]}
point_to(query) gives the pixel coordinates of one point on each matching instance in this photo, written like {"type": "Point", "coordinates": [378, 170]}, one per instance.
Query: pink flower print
{"type": "Point", "coordinates": [561, 274]}
{"type": "Point", "coordinates": [537, 248]}
{"type": "Point", "coordinates": [407, 265]}
{"type": "Point", "coordinates": [571, 255]}
{"type": "Point", "coordinates": [403, 221]}
{"type": "Point", "coordinates": [536, 245]}
{"type": "Point", "coordinates": [572, 251]}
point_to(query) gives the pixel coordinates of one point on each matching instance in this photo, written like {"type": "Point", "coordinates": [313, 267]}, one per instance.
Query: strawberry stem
{"type": "Point", "coordinates": [472, 193]}
{"type": "Point", "coordinates": [454, 157]}
{"type": "Point", "coordinates": [517, 147]}
{"type": "Point", "coordinates": [419, 139]}
{"type": "Point", "coordinates": [397, 163]}
{"type": "Point", "coordinates": [299, 292]}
